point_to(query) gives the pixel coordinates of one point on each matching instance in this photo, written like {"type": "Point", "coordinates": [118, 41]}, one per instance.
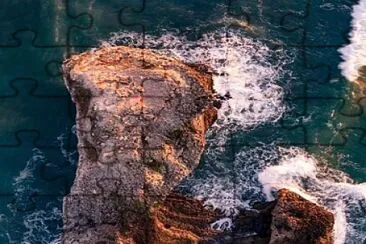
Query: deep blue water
{"type": "Point", "coordinates": [37, 144]}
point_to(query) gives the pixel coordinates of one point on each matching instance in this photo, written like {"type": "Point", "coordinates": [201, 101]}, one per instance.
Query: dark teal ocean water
{"type": "Point", "coordinates": [295, 119]}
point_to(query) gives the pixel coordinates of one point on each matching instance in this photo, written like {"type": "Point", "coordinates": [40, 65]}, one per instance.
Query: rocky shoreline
{"type": "Point", "coordinates": [141, 124]}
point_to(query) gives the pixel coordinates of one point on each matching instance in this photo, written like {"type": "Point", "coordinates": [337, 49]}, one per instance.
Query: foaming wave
{"type": "Point", "coordinates": [257, 173]}
{"type": "Point", "coordinates": [244, 68]}
{"type": "Point", "coordinates": [354, 54]}
{"type": "Point", "coordinates": [303, 174]}
{"type": "Point", "coordinates": [232, 184]}
{"type": "Point", "coordinates": [37, 225]}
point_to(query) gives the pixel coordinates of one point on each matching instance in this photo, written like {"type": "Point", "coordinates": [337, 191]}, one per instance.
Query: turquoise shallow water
{"type": "Point", "coordinates": [282, 62]}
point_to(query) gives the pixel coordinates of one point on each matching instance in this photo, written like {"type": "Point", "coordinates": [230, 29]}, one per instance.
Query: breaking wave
{"type": "Point", "coordinates": [303, 174]}
{"type": "Point", "coordinates": [261, 171]}
{"type": "Point", "coordinates": [354, 54]}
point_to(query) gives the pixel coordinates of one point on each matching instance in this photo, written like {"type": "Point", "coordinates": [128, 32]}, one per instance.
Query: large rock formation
{"type": "Point", "coordinates": [141, 124]}
{"type": "Point", "coordinates": [297, 220]}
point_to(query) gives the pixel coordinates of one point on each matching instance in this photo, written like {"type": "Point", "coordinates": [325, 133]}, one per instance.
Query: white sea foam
{"type": "Point", "coordinates": [245, 68]}
{"type": "Point", "coordinates": [302, 173]}
{"type": "Point", "coordinates": [222, 224]}
{"type": "Point", "coordinates": [257, 173]}
{"type": "Point", "coordinates": [232, 185]}
{"type": "Point", "coordinates": [340, 223]}
{"type": "Point", "coordinates": [354, 54]}
{"type": "Point", "coordinates": [69, 156]}
{"type": "Point", "coordinates": [37, 226]}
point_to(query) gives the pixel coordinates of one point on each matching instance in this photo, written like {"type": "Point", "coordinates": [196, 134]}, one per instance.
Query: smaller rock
{"type": "Point", "coordinates": [297, 220]}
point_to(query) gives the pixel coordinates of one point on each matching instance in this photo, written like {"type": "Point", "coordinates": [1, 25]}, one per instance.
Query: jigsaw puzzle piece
{"type": "Point", "coordinates": [321, 72]}
{"type": "Point", "coordinates": [352, 153]}
{"type": "Point", "coordinates": [11, 223]}
{"type": "Point", "coordinates": [328, 116]}
{"type": "Point", "coordinates": [186, 16]}
{"type": "Point", "coordinates": [84, 216]}
{"type": "Point", "coordinates": [107, 18]}
{"type": "Point", "coordinates": [30, 62]}
{"type": "Point", "coordinates": [58, 172]}
{"type": "Point", "coordinates": [280, 21]}
{"type": "Point", "coordinates": [36, 170]}
{"type": "Point", "coordinates": [288, 131]}
{"type": "Point", "coordinates": [328, 23]}
{"type": "Point", "coordinates": [348, 156]}
{"type": "Point", "coordinates": [25, 111]}
{"type": "Point", "coordinates": [16, 155]}
{"type": "Point", "coordinates": [50, 22]}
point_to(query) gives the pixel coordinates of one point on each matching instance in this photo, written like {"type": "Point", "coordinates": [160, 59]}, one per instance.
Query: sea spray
{"type": "Point", "coordinates": [354, 54]}
{"type": "Point", "coordinates": [299, 172]}
{"type": "Point", "coordinates": [38, 225]}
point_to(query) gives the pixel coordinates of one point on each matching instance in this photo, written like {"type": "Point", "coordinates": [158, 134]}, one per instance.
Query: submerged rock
{"type": "Point", "coordinates": [297, 220]}
{"type": "Point", "coordinates": [141, 124]}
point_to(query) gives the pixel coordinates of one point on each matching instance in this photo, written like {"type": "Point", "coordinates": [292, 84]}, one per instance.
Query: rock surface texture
{"type": "Point", "coordinates": [141, 124]}
{"type": "Point", "coordinates": [296, 220]}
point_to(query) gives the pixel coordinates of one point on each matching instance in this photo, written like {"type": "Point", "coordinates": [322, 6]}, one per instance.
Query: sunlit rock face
{"type": "Point", "coordinates": [141, 124]}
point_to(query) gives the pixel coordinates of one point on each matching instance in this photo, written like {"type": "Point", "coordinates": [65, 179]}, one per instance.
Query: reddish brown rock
{"type": "Point", "coordinates": [297, 220]}
{"type": "Point", "coordinates": [141, 124]}
{"type": "Point", "coordinates": [182, 220]}
{"type": "Point", "coordinates": [185, 220]}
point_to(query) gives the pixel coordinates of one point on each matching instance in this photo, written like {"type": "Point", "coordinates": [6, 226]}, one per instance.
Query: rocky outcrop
{"type": "Point", "coordinates": [185, 220]}
{"type": "Point", "coordinates": [297, 220]}
{"type": "Point", "coordinates": [182, 220]}
{"type": "Point", "coordinates": [141, 124]}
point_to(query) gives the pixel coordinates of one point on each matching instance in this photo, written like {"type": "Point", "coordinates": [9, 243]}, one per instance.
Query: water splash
{"type": "Point", "coordinates": [354, 54]}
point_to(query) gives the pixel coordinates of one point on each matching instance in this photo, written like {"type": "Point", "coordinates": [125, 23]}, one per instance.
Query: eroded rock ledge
{"type": "Point", "coordinates": [141, 124]}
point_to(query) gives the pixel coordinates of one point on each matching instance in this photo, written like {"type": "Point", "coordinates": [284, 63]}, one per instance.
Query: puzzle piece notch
{"type": "Point", "coordinates": [51, 14]}
{"type": "Point", "coordinates": [34, 63]}
{"type": "Point", "coordinates": [106, 19]}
